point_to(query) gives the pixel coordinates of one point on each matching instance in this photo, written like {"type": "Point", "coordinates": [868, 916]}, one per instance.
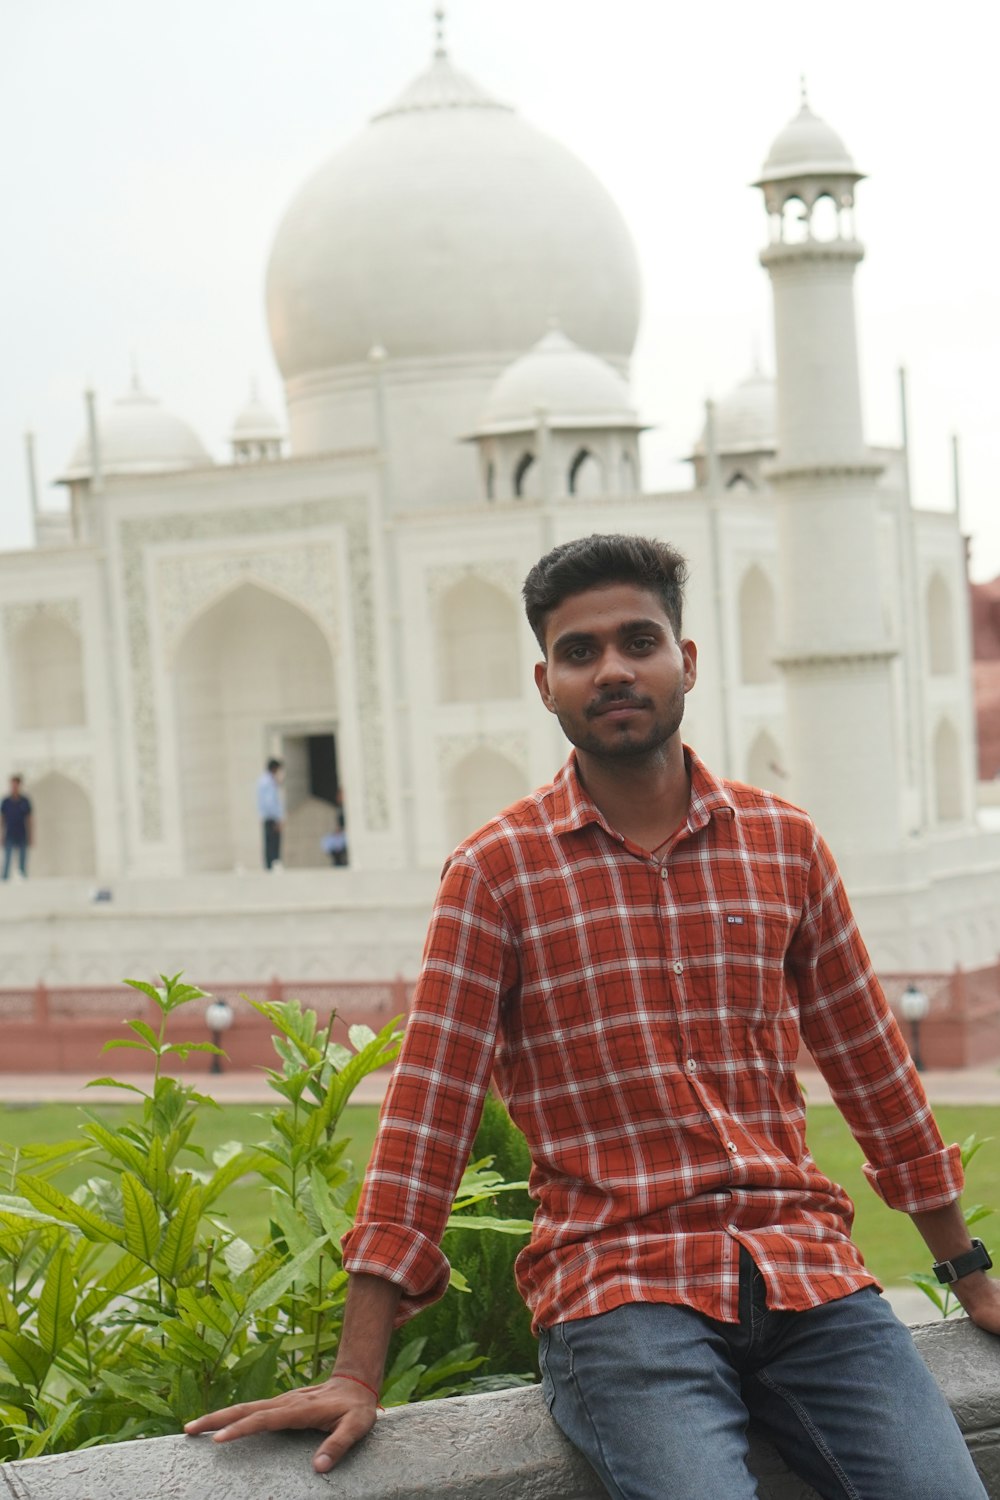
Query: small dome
{"type": "Point", "coordinates": [256, 423]}
{"type": "Point", "coordinates": [139, 436]}
{"type": "Point", "coordinates": [807, 147]}
{"type": "Point", "coordinates": [575, 389]}
{"type": "Point", "coordinates": [448, 228]}
{"type": "Point", "coordinates": [745, 419]}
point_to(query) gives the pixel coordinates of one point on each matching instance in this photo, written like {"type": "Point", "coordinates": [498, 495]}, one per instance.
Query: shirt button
{"type": "Point", "coordinates": [731, 1146]}
{"type": "Point", "coordinates": [691, 1065]}
{"type": "Point", "coordinates": [663, 872]}
{"type": "Point", "coordinates": [678, 968]}
{"type": "Point", "coordinates": [733, 1228]}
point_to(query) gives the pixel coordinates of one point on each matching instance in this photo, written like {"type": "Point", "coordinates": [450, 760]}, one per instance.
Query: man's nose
{"type": "Point", "coordinates": [614, 666]}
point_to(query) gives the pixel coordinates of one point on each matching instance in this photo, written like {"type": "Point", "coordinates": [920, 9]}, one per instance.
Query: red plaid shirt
{"type": "Point", "coordinates": [643, 1021]}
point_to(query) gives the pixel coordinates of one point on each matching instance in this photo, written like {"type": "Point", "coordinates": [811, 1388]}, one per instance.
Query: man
{"type": "Point", "coordinates": [271, 810]}
{"type": "Point", "coordinates": [635, 952]}
{"type": "Point", "coordinates": [15, 828]}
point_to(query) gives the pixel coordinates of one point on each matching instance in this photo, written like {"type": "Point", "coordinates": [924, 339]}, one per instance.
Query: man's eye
{"type": "Point", "coordinates": [577, 653]}
{"type": "Point", "coordinates": [642, 642]}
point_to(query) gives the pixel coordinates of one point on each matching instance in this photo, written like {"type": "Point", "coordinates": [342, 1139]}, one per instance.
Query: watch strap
{"type": "Point", "coordinates": [976, 1259]}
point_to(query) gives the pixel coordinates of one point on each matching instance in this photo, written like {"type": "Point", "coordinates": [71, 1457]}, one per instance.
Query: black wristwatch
{"type": "Point", "coordinates": [976, 1259]}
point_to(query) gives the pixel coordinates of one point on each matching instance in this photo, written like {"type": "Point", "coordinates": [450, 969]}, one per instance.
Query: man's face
{"type": "Point", "coordinates": [15, 786]}
{"type": "Point", "coordinates": [614, 674]}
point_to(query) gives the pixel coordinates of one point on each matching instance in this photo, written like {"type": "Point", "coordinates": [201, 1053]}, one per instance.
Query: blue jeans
{"type": "Point", "coordinates": [22, 857]}
{"type": "Point", "coordinates": [658, 1399]}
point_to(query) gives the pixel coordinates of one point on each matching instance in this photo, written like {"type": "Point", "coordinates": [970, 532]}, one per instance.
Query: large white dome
{"type": "Point", "coordinates": [449, 227]}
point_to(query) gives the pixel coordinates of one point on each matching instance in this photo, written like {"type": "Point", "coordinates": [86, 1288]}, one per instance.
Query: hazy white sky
{"type": "Point", "coordinates": [149, 152]}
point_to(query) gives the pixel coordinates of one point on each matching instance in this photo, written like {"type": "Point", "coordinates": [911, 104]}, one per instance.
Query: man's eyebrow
{"type": "Point", "coordinates": [626, 628]}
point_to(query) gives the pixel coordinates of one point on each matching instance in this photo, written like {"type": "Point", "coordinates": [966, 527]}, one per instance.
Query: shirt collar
{"type": "Point", "coordinates": [572, 808]}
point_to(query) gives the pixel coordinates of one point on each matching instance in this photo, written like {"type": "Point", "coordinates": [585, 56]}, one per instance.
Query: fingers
{"type": "Point", "coordinates": [295, 1409]}
{"type": "Point", "coordinates": [350, 1430]}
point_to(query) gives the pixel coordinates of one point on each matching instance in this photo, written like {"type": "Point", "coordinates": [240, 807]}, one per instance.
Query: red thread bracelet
{"type": "Point", "coordinates": [337, 1375]}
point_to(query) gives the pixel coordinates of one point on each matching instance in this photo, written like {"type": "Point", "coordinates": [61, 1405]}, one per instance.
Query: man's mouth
{"type": "Point", "coordinates": [605, 706]}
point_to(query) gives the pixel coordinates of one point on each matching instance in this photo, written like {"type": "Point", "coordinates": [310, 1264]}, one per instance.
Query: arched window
{"type": "Point", "coordinates": [794, 221]}
{"type": "Point", "coordinates": [479, 787]}
{"type": "Point", "coordinates": [739, 482]}
{"type": "Point", "coordinates": [947, 773]}
{"type": "Point", "coordinates": [765, 764]}
{"type": "Point", "coordinates": [525, 472]}
{"type": "Point", "coordinates": [254, 676]}
{"type": "Point", "coordinates": [757, 625]}
{"type": "Point", "coordinates": [824, 221]}
{"type": "Point", "coordinates": [586, 474]}
{"type": "Point", "coordinates": [940, 631]}
{"type": "Point", "coordinates": [477, 644]}
{"type": "Point", "coordinates": [47, 669]}
{"type": "Point", "coordinates": [63, 828]}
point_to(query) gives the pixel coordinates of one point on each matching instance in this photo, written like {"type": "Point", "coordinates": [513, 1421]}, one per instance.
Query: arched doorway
{"type": "Point", "coordinates": [63, 823]}
{"type": "Point", "coordinates": [477, 644]}
{"type": "Point", "coordinates": [947, 773]}
{"type": "Point", "coordinates": [46, 661]}
{"type": "Point", "coordinates": [254, 677]}
{"type": "Point", "coordinates": [757, 613]}
{"type": "Point", "coordinates": [480, 786]}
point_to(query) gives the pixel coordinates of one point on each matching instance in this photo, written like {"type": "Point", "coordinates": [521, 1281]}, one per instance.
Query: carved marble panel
{"type": "Point", "coordinates": [17, 616]}
{"type": "Point", "coordinates": [141, 533]}
{"type": "Point", "coordinates": [453, 748]}
{"type": "Point", "coordinates": [502, 573]}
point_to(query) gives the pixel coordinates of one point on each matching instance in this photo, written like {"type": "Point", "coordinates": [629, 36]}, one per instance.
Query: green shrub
{"type": "Point", "coordinates": [130, 1305]}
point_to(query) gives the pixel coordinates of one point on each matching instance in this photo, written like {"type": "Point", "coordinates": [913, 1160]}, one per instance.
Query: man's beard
{"type": "Point", "coordinates": [628, 745]}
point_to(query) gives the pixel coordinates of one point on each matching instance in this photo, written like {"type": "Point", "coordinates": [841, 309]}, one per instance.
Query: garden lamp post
{"type": "Point", "coordinates": [915, 1007]}
{"type": "Point", "coordinates": [218, 1018]}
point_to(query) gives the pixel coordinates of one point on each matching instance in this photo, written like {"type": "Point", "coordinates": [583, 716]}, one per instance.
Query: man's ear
{"type": "Point", "coordinates": [542, 684]}
{"type": "Point", "coordinates": [689, 651]}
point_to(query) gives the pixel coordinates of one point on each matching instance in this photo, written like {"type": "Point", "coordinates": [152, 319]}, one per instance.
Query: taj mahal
{"type": "Point", "coordinates": [453, 301]}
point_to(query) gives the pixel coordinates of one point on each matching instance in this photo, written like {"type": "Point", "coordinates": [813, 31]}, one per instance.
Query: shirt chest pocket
{"type": "Point", "coordinates": [736, 965]}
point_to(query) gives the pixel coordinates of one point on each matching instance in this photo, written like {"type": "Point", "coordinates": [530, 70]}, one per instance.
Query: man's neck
{"type": "Point", "coordinates": [645, 799]}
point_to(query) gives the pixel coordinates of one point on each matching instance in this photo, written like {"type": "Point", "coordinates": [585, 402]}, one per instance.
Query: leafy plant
{"type": "Point", "coordinates": [943, 1297]}
{"type": "Point", "coordinates": [130, 1304]}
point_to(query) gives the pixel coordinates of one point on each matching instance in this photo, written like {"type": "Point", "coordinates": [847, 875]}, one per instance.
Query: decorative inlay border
{"type": "Point", "coordinates": [502, 573]}
{"type": "Point", "coordinates": [77, 768]}
{"type": "Point", "coordinates": [188, 583]}
{"type": "Point", "coordinates": [453, 748]}
{"type": "Point", "coordinates": [240, 525]}
{"type": "Point", "coordinates": [17, 616]}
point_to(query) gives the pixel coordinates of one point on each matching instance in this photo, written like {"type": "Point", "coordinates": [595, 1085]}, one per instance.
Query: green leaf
{"type": "Point", "coordinates": [179, 1236]}
{"type": "Point", "coordinates": [136, 1393]}
{"type": "Point", "coordinates": [118, 1146]}
{"type": "Point", "coordinates": [117, 1043]}
{"type": "Point", "coordinates": [126, 1274]}
{"type": "Point", "coordinates": [26, 1359]}
{"type": "Point", "coordinates": [484, 1221]}
{"type": "Point", "coordinates": [274, 1288]}
{"type": "Point", "coordinates": [143, 1030]}
{"type": "Point", "coordinates": [360, 1037]}
{"type": "Point", "coordinates": [232, 1170]}
{"type": "Point", "coordinates": [142, 1222]}
{"type": "Point", "coordinates": [398, 1392]}
{"type": "Point", "coordinates": [9, 1317]}
{"type": "Point", "coordinates": [239, 1256]}
{"type": "Point", "coordinates": [257, 1371]}
{"type": "Point", "coordinates": [116, 1083]}
{"type": "Point", "coordinates": [48, 1198]}
{"type": "Point", "coordinates": [56, 1304]}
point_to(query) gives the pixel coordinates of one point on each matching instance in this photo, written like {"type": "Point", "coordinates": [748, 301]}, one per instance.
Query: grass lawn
{"type": "Point", "coordinates": [890, 1244]}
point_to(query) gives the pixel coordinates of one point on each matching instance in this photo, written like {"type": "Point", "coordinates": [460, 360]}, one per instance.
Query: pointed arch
{"type": "Point", "coordinates": [739, 482]}
{"type": "Point", "coordinates": [794, 221]}
{"type": "Point", "coordinates": [525, 476]}
{"type": "Point", "coordinates": [940, 627]}
{"type": "Point", "coordinates": [757, 612]}
{"type": "Point", "coordinates": [252, 670]}
{"type": "Point", "coordinates": [477, 644]}
{"type": "Point", "coordinates": [63, 824]}
{"type": "Point", "coordinates": [824, 219]}
{"type": "Point", "coordinates": [627, 476]}
{"type": "Point", "coordinates": [586, 474]}
{"type": "Point", "coordinates": [482, 784]}
{"type": "Point", "coordinates": [765, 764]}
{"type": "Point", "coordinates": [46, 660]}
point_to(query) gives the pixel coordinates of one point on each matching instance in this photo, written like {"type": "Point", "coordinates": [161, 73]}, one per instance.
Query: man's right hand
{"type": "Point", "coordinates": [339, 1406]}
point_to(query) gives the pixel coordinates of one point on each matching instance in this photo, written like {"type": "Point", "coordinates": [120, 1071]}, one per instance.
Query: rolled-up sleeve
{"type": "Point", "coordinates": [435, 1099]}
{"type": "Point", "coordinates": [852, 1034]}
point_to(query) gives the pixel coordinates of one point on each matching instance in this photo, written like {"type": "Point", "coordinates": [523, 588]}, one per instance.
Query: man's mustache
{"type": "Point", "coordinates": [616, 699]}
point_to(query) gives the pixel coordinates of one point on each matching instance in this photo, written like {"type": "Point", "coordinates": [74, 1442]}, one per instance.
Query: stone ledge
{"type": "Point", "coordinates": [494, 1447]}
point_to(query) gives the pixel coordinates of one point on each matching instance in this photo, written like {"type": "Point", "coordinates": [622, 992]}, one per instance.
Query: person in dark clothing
{"type": "Point", "coordinates": [15, 828]}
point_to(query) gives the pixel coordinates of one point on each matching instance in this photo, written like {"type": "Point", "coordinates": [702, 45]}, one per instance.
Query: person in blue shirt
{"type": "Point", "coordinates": [271, 810]}
{"type": "Point", "coordinates": [15, 827]}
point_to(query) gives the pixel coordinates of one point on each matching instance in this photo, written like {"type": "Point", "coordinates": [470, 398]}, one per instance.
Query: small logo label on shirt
{"type": "Point", "coordinates": [734, 921]}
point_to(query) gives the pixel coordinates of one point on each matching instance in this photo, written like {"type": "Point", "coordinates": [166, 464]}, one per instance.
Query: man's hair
{"type": "Point", "coordinates": [594, 561]}
{"type": "Point", "coordinates": [14, 776]}
{"type": "Point", "coordinates": [275, 765]}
